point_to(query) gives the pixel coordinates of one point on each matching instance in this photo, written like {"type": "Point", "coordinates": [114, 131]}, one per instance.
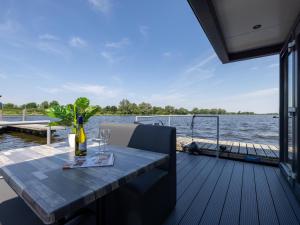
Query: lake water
{"type": "Point", "coordinates": [261, 129]}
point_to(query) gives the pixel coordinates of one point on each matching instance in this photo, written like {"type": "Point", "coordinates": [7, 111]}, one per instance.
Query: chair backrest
{"type": "Point", "coordinates": [147, 137]}
{"type": "Point", "coordinates": [120, 133]}
{"type": "Point", "coordinates": [154, 138]}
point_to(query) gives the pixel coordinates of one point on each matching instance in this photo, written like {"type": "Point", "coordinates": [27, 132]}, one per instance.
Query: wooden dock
{"type": "Point", "coordinates": [259, 153]}
{"type": "Point", "coordinates": [34, 129]}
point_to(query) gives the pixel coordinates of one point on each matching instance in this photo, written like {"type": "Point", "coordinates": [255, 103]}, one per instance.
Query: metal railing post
{"type": "Point", "coordinates": [218, 137]}
{"type": "Point", "coordinates": [48, 135]}
{"type": "Point", "coordinates": [169, 121]}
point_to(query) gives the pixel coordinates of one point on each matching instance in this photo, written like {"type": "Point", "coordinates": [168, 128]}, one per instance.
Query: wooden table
{"type": "Point", "coordinates": [36, 175]}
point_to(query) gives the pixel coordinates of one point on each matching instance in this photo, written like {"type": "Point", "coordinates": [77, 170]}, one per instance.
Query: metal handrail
{"type": "Point", "coordinates": [192, 124]}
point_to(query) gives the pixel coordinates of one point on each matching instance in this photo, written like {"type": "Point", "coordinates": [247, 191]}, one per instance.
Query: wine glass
{"type": "Point", "coordinates": [104, 135]}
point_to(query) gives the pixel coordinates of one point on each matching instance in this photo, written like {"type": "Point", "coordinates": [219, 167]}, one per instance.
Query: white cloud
{"type": "Point", "coordinates": [48, 37]}
{"type": "Point", "coordinates": [77, 42]}
{"type": "Point", "coordinates": [103, 6]}
{"type": "Point", "coordinates": [49, 90]}
{"type": "Point", "coordinates": [144, 30]}
{"type": "Point", "coordinates": [98, 90]}
{"type": "Point", "coordinates": [53, 48]}
{"type": "Point", "coordinates": [198, 66]}
{"type": "Point", "coordinates": [122, 43]}
{"type": "Point", "coordinates": [110, 57]}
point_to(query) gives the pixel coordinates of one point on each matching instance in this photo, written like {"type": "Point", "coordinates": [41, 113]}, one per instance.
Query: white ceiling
{"type": "Point", "coordinates": [237, 17]}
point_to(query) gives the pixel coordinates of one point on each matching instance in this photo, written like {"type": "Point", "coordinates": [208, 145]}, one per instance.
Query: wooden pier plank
{"type": "Point", "coordinates": [268, 151]}
{"type": "Point", "coordinates": [235, 147]}
{"type": "Point", "coordinates": [274, 149]}
{"type": "Point", "coordinates": [259, 150]}
{"type": "Point", "coordinates": [243, 148]}
{"type": "Point", "coordinates": [251, 149]}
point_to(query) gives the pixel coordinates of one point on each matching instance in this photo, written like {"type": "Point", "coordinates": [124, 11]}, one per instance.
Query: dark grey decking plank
{"type": "Point", "coordinates": [231, 210]}
{"type": "Point", "coordinates": [189, 178]}
{"type": "Point", "coordinates": [187, 160]}
{"type": "Point", "coordinates": [283, 208]}
{"type": "Point", "coordinates": [184, 171]}
{"type": "Point", "coordinates": [194, 213]}
{"type": "Point", "coordinates": [185, 201]}
{"type": "Point", "coordinates": [251, 149]}
{"type": "Point", "coordinates": [290, 195]}
{"type": "Point", "coordinates": [248, 214]}
{"type": "Point", "coordinates": [266, 209]}
{"type": "Point", "coordinates": [180, 157]}
{"type": "Point", "coordinates": [213, 210]}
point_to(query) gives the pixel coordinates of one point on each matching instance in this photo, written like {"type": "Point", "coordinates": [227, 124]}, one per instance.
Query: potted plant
{"type": "Point", "coordinates": [68, 115]}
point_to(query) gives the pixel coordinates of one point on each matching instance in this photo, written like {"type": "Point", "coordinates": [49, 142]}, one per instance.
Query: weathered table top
{"type": "Point", "coordinates": [36, 175]}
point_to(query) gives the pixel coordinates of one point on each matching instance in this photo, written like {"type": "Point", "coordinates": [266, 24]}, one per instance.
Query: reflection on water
{"type": "Point", "coordinates": [255, 129]}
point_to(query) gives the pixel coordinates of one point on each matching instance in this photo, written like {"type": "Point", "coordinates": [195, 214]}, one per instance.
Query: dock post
{"type": "Point", "coordinates": [48, 135]}
{"type": "Point", "coordinates": [169, 121]}
{"type": "Point", "coordinates": [24, 114]}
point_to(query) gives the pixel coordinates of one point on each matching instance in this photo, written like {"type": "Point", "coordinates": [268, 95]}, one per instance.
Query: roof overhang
{"type": "Point", "coordinates": [244, 29]}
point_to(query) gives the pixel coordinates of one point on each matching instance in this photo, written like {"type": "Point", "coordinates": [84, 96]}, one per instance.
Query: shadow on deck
{"type": "Point", "coordinates": [219, 191]}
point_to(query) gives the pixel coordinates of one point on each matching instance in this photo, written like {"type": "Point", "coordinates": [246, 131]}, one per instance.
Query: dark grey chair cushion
{"type": "Point", "coordinates": [145, 182]}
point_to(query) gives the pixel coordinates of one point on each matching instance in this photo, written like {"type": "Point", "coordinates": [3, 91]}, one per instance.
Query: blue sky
{"type": "Point", "coordinates": [107, 50]}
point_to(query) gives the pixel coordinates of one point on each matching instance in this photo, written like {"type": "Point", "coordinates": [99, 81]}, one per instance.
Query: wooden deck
{"type": "Point", "coordinates": [226, 192]}
{"type": "Point", "coordinates": [260, 153]}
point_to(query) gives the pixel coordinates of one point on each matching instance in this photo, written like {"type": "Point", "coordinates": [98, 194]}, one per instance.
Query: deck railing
{"type": "Point", "coordinates": [157, 119]}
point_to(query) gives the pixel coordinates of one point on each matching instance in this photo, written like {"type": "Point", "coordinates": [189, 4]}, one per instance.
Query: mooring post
{"type": "Point", "coordinates": [48, 135]}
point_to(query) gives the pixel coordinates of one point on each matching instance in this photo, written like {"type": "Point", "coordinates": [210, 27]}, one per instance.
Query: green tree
{"type": "Point", "coordinates": [44, 105]}
{"type": "Point", "coordinates": [158, 110]}
{"type": "Point", "coordinates": [126, 107]}
{"type": "Point", "coordinates": [31, 105]}
{"type": "Point", "coordinates": [181, 111]}
{"type": "Point", "coordinates": [145, 108]}
{"type": "Point", "coordinates": [9, 106]}
{"type": "Point", "coordinates": [53, 103]}
{"type": "Point", "coordinates": [169, 109]}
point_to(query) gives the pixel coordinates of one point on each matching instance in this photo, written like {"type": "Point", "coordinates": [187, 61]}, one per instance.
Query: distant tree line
{"type": "Point", "coordinates": [125, 107]}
